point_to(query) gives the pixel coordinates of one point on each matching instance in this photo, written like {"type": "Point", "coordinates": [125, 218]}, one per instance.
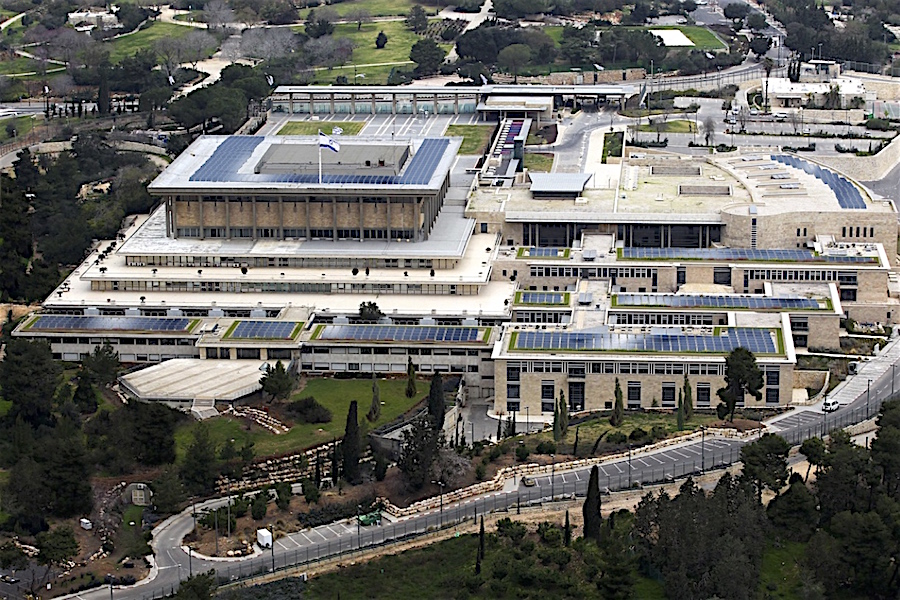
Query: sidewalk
{"type": "Point", "coordinates": [873, 370]}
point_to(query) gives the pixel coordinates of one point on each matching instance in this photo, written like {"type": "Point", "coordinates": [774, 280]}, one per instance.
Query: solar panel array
{"type": "Point", "coordinates": [543, 252]}
{"type": "Point", "coordinates": [541, 298]}
{"type": "Point", "coordinates": [399, 333]}
{"type": "Point", "coordinates": [223, 165]}
{"type": "Point", "coordinates": [847, 194]}
{"type": "Point", "coordinates": [263, 330]}
{"type": "Point", "coordinates": [758, 341]}
{"type": "Point", "coordinates": [110, 323]}
{"type": "Point", "coordinates": [739, 254]}
{"type": "Point", "coordinates": [696, 301]}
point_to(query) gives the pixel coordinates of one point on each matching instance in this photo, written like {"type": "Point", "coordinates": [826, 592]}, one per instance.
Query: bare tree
{"type": "Point", "coordinates": [194, 47]}
{"type": "Point", "coordinates": [659, 124]}
{"type": "Point", "coordinates": [217, 14]}
{"type": "Point", "coordinates": [267, 44]}
{"type": "Point", "coordinates": [169, 55]}
{"type": "Point", "coordinates": [231, 49]}
{"type": "Point", "coordinates": [67, 43]}
{"type": "Point", "coordinates": [794, 120]}
{"type": "Point", "coordinates": [709, 129]}
{"type": "Point", "coordinates": [329, 52]}
{"type": "Point", "coordinates": [248, 17]}
{"type": "Point", "coordinates": [360, 15]}
{"type": "Point", "coordinates": [742, 118]}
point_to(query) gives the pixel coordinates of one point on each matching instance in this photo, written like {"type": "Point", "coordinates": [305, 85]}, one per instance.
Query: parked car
{"type": "Point", "coordinates": [830, 405]}
{"type": "Point", "coordinates": [528, 481]}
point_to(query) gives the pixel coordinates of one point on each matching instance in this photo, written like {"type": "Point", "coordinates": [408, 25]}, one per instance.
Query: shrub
{"type": "Point", "coordinates": [879, 124]}
{"type": "Point", "coordinates": [515, 531]}
{"type": "Point", "coordinates": [258, 507]}
{"type": "Point", "coordinates": [546, 447]}
{"type": "Point", "coordinates": [637, 435]}
{"type": "Point", "coordinates": [496, 452]}
{"type": "Point", "coordinates": [616, 437]}
{"type": "Point", "coordinates": [308, 410]}
{"type": "Point", "coordinates": [480, 472]}
{"type": "Point", "coordinates": [335, 512]}
{"type": "Point", "coordinates": [658, 433]}
{"type": "Point", "coordinates": [522, 453]}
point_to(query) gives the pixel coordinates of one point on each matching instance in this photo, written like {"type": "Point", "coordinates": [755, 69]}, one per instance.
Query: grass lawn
{"type": "Point", "coordinates": [5, 405]}
{"type": "Point", "coordinates": [540, 163]}
{"type": "Point", "coordinates": [475, 137]}
{"type": "Point", "coordinates": [703, 38]}
{"type": "Point", "coordinates": [400, 41]}
{"type": "Point", "coordinates": [378, 8]}
{"type": "Point", "coordinates": [780, 576]}
{"type": "Point", "coordinates": [677, 126]}
{"type": "Point", "coordinates": [20, 64]}
{"type": "Point", "coordinates": [373, 75]}
{"type": "Point", "coordinates": [22, 126]}
{"type": "Point", "coordinates": [334, 394]}
{"type": "Point", "coordinates": [313, 127]}
{"type": "Point", "coordinates": [122, 47]}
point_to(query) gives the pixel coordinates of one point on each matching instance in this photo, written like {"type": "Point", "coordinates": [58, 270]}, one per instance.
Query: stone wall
{"type": "Point", "coordinates": [865, 168]}
{"type": "Point", "coordinates": [809, 379]}
{"type": "Point", "coordinates": [571, 78]}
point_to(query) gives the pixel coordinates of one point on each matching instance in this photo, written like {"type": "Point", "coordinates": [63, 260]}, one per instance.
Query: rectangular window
{"type": "Point", "coordinates": [513, 373]}
{"type": "Point", "coordinates": [634, 394]}
{"type": "Point", "coordinates": [722, 275]}
{"type": "Point", "coordinates": [771, 395]}
{"type": "Point", "coordinates": [772, 377]}
{"type": "Point", "coordinates": [512, 407]}
{"type": "Point", "coordinates": [703, 394]}
{"type": "Point", "coordinates": [513, 391]}
{"type": "Point", "coordinates": [547, 407]}
{"type": "Point", "coordinates": [548, 390]}
{"type": "Point", "coordinates": [484, 228]}
{"type": "Point", "coordinates": [668, 395]}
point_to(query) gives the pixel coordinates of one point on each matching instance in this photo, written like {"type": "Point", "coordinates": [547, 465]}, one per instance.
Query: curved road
{"type": "Point", "coordinates": [174, 564]}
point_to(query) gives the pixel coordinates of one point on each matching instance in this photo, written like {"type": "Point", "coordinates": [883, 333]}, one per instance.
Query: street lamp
{"type": "Point", "coordinates": [527, 421]}
{"type": "Point", "coordinates": [703, 449]}
{"type": "Point", "coordinates": [868, 390]}
{"type": "Point", "coordinates": [358, 530]}
{"type": "Point", "coordinates": [441, 483]}
{"type": "Point", "coordinates": [629, 466]}
{"type": "Point", "coordinates": [272, 545]}
{"type": "Point", "coordinates": [552, 476]}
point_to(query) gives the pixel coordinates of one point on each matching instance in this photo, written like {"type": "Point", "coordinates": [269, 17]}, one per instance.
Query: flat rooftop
{"type": "Point", "coordinates": [221, 164]}
{"type": "Point", "coordinates": [188, 379]}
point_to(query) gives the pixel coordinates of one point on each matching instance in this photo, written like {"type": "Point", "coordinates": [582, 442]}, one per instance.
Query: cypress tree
{"type": "Point", "coordinates": [350, 446]}
{"type": "Point", "coordinates": [481, 539]}
{"type": "Point", "coordinates": [591, 507]}
{"type": "Point", "coordinates": [318, 469]}
{"type": "Point", "coordinates": [557, 423]}
{"type": "Point", "coordinates": [374, 410]}
{"type": "Point", "coordinates": [436, 402]}
{"type": "Point", "coordinates": [563, 415]}
{"type": "Point", "coordinates": [618, 416]}
{"type": "Point", "coordinates": [567, 531]}
{"type": "Point", "coordinates": [499, 427]}
{"type": "Point", "coordinates": [575, 445]}
{"type": "Point", "coordinates": [335, 463]}
{"type": "Point", "coordinates": [688, 399]}
{"type": "Point", "coordinates": [410, 378]}
{"type": "Point", "coordinates": [679, 414]}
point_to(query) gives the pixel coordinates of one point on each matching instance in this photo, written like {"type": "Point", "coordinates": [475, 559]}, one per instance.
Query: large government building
{"type": "Point", "coordinates": [525, 285]}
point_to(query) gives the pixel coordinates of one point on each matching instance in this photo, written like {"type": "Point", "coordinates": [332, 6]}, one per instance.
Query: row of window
{"type": "Point", "coordinates": [634, 318]}
{"type": "Point", "coordinates": [291, 201]}
{"type": "Point", "coordinates": [593, 272]}
{"type": "Point", "coordinates": [282, 286]}
{"type": "Point", "coordinates": [392, 350]}
{"type": "Point", "coordinates": [284, 261]}
{"type": "Point", "coordinates": [123, 341]}
{"type": "Point", "coordinates": [514, 369]}
{"type": "Point", "coordinates": [848, 232]}
{"type": "Point", "coordinates": [842, 277]}
{"type": "Point", "coordinates": [385, 367]}
{"type": "Point", "coordinates": [289, 233]}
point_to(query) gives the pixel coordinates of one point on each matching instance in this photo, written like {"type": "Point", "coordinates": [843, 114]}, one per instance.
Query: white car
{"type": "Point", "coordinates": [830, 405]}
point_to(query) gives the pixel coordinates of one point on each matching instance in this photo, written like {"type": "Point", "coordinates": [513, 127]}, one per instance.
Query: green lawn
{"type": "Point", "coordinates": [475, 137]}
{"type": "Point", "coordinates": [5, 405]}
{"type": "Point", "coordinates": [122, 47]}
{"type": "Point", "coordinates": [20, 64]}
{"type": "Point", "coordinates": [313, 127]}
{"type": "Point", "coordinates": [22, 127]}
{"type": "Point", "coordinates": [676, 126]}
{"type": "Point", "coordinates": [540, 163]}
{"type": "Point", "coordinates": [781, 576]}
{"type": "Point", "coordinates": [373, 75]}
{"type": "Point", "coordinates": [400, 41]}
{"type": "Point", "coordinates": [334, 394]}
{"type": "Point", "coordinates": [703, 38]}
{"type": "Point", "coordinates": [377, 8]}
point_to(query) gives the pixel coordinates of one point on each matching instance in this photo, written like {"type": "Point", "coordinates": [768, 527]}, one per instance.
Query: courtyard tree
{"type": "Point", "coordinates": [359, 16]}
{"type": "Point", "coordinates": [416, 19]}
{"type": "Point", "coordinates": [513, 58]}
{"type": "Point", "coordinates": [618, 415]}
{"type": "Point", "coordinates": [369, 312]}
{"type": "Point", "coordinates": [102, 365]}
{"type": "Point", "coordinates": [418, 452]}
{"type": "Point", "coordinates": [742, 377]}
{"type": "Point", "coordinates": [277, 382]}
{"type": "Point", "coordinates": [410, 378]}
{"type": "Point", "coordinates": [759, 45]}
{"type": "Point", "coordinates": [427, 55]}
{"type": "Point", "coordinates": [28, 378]}
{"type": "Point", "coordinates": [814, 451]}
{"type": "Point", "coordinates": [375, 409]}
{"type": "Point", "coordinates": [199, 468]}
{"type": "Point", "coordinates": [55, 548]}
{"type": "Point", "coordinates": [688, 399]}
{"type": "Point", "coordinates": [381, 40]}
{"type": "Point", "coordinates": [436, 401]}
{"type": "Point", "coordinates": [591, 507]}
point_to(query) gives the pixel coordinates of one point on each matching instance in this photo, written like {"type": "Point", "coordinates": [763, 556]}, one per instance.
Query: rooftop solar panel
{"type": "Point", "coordinates": [224, 164]}
{"type": "Point", "coordinates": [696, 301]}
{"type": "Point", "coordinates": [738, 254]}
{"type": "Point", "coordinates": [399, 333]}
{"type": "Point", "coordinates": [541, 298]}
{"type": "Point", "coordinates": [264, 330]}
{"type": "Point", "coordinates": [760, 341]}
{"type": "Point", "coordinates": [847, 195]}
{"type": "Point", "coordinates": [109, 323]}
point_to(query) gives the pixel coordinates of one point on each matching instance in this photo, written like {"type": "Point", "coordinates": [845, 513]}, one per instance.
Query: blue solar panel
{"type": "Point", "coordinates": [541, 298]}
{"type": "Point", "coordinates": [847, 194]}
{"type": "Point", "coordinates": [759, 341]}
{"type": "Point", "coordinates": [739, 254]}
{"type": "Point", "coordinates": [748, 302]}
{"type": "Point", "coordinates": [399, 333]}
{"type": "Point", "coordinates": [269, 330]}
{"type": "Point", "coordinates": [543, 252]}
{"type": "Point", "coordinates": [223, 165]}
{"type": "Point", "coordinates": [104, 323]}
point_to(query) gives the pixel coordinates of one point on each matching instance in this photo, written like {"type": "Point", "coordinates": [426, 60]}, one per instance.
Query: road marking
{"type": "Point", "coordinates": [680, 454]}
{"type": "Point", "coordinates": [654, 458]}
{"type": "Point", "coordinates": [691, 449]}
{"type": "Point", "coordinates": [295, 542]}
{"type": "Point", "coordinates": [563, 477]}
{"type": "Point", "coordinates": [319, 533]}
{"type": "Point", "coordinates": [604, 472]}
{"type": "Point", "coordinates": [642, 462]}
{"type": "Point", "coordinates": [328, 527]}
{"type": "Point", "coordinates": [616, 465]}
{"type": "Point", "coordinates": [281, 544]}
{"type": "Point", "coordinates": [577, 476]}
{"type": "Point", "coordinates": [306, 537]}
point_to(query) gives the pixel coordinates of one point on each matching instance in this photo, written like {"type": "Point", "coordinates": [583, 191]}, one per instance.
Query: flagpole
{"type": "Point", "coordinates": [319, 144]}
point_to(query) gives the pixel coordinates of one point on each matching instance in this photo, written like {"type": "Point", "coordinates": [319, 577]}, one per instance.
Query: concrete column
{"type": "Point", "coordinates": [290, 102]}
{"type": "Point", "coordinates": [308, 236]}
{"type": "Point", "coordinates": [200, 200]}
{"type": "Point", "coordinates": [227, 218]}
{"type": "Point", "coordinates": [310, 103]}
{"type": "Point", "coordinates": [280, 217]}
{"type": "Point", "coordinates": [362, 222]}
{"type": "Point", "coordinates": [352, 104]}
{"type": "Point", "coordinates": [334, 222]}
{"type": "Point", "coordinates": [388, 214]}
{"type": "Point", "coordinates": [253, 208]}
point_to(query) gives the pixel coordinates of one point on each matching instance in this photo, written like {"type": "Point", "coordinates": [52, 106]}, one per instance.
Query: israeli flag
{"type": "Point", "coordinates": [328, 142]}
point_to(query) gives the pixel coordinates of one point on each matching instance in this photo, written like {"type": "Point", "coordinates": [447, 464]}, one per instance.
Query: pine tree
{"type": "Point", "coordinates": [567, 530]}
{"type": "Point", "coordinates": [679, 414]}
{"type": "Point", "coordinates": [436, 401]}
{"type": "Point", "coordinates": [591, 507]}
{"type": "Point", "coordinates": [374, 410]}
{"type": "Point", "coordinates": [688, 399]}
{"type": "Point", "coordinates": [350, 446]}
{"type": "Point", "coordinates": [410, 378]}
{"type": "Point", "coordinates": [618, 416]}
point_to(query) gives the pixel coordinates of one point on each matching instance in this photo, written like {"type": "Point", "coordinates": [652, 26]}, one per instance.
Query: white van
{"type": "Point", "coordinates": [830, 405]}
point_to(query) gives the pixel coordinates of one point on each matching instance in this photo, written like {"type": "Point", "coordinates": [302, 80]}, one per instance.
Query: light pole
{"type": "Point", "coordinates": [190, 563]}
{"type": "Point", "coordinates": [527, 419]}
{"type": "Point", "coordinates": [441, 483]}
{"type": "Point", "coordinates": [629, 466]}
{"type": "Point", "coordinates": [868, 390]}
{"type": "Point", "coordinates": [358, 530]}
{"type": "Point", "coordinates": [703, 449]}
{"type": "Point", "coordinates": [473, 433]}
{"type": "Point", "coordinates": [272, 545]}
{"type": "Point", "coordinates": [552, 476]}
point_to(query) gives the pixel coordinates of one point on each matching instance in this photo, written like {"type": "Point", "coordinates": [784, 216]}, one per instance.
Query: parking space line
{"type": "Point", "coordinates": [616, 465]}
{"type": "Point", "coordinates": [319, 533]}
{"type": "Point", "coordinates": [680, 454]}
{"type": "Point", "coordinates": [604, 471]}
{"type": "Point", "coordinates": [651, 457]}
{"type": "Point", "coordinates": [306, 537]}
